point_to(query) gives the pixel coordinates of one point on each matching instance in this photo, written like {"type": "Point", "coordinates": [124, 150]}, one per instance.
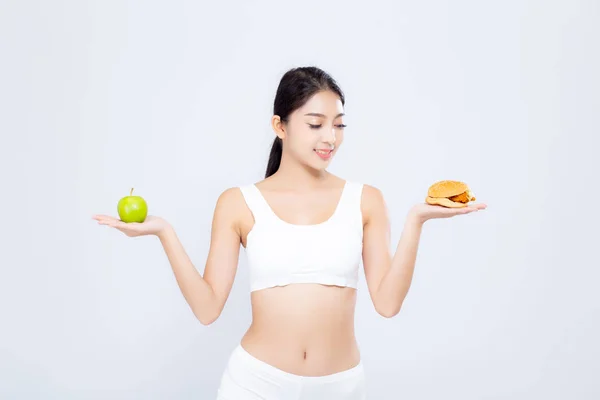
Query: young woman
{"type": "Point", "coordinates": [304, 231]}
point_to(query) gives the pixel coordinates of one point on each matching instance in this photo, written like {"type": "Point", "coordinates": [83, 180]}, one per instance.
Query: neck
{"type": "Point", "coordinates": [300, 176]}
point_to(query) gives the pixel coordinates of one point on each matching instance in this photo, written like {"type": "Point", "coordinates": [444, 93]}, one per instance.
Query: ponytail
{"type": "Point", "coordinates": [274, 157]}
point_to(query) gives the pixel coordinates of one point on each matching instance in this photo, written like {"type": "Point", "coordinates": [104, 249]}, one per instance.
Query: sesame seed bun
{"type": "Point", "coordinates": [447, 189]}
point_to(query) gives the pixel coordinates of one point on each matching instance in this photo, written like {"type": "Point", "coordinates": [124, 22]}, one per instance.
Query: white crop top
{"type": "Point", "coordinates": [280, 253]}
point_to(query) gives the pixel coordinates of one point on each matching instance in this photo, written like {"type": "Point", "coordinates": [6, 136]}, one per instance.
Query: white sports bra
{"type": "Point", "coordinates": [280, 253]}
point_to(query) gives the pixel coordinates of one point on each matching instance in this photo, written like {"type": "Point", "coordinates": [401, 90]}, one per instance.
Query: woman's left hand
{"type": "Point", "coordinates": [423, 212]}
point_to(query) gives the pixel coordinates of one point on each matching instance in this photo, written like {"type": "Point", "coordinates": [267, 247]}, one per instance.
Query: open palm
{"type": "Point", "coordinates": [151, 226]}
{"type": "Point", "coordinates": [425, 211]}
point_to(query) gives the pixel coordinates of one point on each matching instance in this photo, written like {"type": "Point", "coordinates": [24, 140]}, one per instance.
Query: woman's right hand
{"type": "Point", "coordinates": [151, 226]}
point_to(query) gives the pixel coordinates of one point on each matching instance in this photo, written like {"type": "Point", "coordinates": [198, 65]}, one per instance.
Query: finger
{"type": "Point", "coordinates": [108, 222]}
{"type": "Point", "coordinates": [123, 225]}
{"type": "Point", "coordinates": [112, 222]}
{"type": "Point", "coordinates": [474, 208]}
{"type": "Point", "coordinates": [104, 218]}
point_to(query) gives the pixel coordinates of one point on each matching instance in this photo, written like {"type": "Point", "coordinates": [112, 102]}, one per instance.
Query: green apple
{"type": "Point", "coordinates": [132, 208]}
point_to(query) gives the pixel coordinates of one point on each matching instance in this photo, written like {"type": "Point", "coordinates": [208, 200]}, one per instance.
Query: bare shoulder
{"type": "Point", "coordinates": [230, 197]}
{"type": "Point", "coordinates": [372, 202]}
{"type": "Point", "coordinates": [372, 197]}
{"type": "Point", "coordinates": [230, 206]}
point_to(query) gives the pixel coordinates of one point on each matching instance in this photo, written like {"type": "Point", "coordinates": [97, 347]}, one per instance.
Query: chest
{"type": "Point", "coordinates": [312, 247]}
{"type": "Point", "coordinates": [309, 209]}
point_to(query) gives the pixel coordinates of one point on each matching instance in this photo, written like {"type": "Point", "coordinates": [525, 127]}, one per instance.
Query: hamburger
{"type": "Point", "coordinates": [452, 194]}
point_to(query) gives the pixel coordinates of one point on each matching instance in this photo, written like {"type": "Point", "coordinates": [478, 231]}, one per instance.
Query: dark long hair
{"type": "Point", "coordinates": [296, 87]}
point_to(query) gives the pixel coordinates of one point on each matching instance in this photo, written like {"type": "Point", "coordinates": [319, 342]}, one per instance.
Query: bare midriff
{"type": "Point", "coordinates": [305, 329]}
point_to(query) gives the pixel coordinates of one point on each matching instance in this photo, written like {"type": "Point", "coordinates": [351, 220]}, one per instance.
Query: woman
{"type": "Point", "coordinates": [304, 231]}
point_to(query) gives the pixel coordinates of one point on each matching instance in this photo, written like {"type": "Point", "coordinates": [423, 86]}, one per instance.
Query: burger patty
{"type": "Point", "coordinates": [461, 198]}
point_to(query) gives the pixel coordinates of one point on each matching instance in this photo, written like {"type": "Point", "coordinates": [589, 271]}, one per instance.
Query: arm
{"type": "Point", "coordinates": [207, 295]}
{"type": "Point", "coordinates": [388, 278]}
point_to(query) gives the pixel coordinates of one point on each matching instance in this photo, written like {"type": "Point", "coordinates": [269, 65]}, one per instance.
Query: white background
{"type": "Point", "coordinates": [175, 99]}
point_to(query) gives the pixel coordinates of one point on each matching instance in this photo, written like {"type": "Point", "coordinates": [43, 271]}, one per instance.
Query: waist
{"type": "Point", "coordinates": [316, 276]}
{"type": "Point", "coordinates": [270, 372]}
{"type": "Point", "coordinates": [306, 329]}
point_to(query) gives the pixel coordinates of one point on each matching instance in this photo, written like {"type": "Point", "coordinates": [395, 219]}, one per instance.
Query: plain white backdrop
{"type": "Point", "coordinates": [175, 99]}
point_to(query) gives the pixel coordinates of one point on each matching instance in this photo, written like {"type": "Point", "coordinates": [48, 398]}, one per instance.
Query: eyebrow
{"type": "Point", "coordinates": [322, 115]}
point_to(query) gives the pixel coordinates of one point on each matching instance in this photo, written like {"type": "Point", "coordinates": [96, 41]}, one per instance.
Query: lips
{"type": "Point", "coordinates": [324, 153]}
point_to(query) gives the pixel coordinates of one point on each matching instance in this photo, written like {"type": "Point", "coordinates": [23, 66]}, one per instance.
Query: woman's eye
{"type": "Point", "coordinates": [341, 126]}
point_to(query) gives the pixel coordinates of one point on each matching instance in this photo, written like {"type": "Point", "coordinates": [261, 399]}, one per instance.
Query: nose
{"type": "Point", "coordinates": [329, 136]}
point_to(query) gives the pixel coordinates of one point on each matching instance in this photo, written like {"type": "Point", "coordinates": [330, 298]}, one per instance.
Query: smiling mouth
{"type": "Point", "coordinates": [324, 152]}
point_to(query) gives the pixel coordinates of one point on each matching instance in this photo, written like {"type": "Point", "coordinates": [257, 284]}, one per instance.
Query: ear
{"type": "Point", "coordinates": [278, 126]}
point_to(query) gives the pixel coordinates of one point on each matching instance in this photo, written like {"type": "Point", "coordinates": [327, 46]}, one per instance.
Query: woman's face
{"type": "Point", "coordinates": [314, 132]}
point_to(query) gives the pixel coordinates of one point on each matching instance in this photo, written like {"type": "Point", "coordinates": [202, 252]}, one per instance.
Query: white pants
{"type": "Point", "coordinates": [248, 378]}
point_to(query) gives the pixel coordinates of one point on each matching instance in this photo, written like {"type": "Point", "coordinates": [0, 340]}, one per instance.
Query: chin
{"type": "Point", "coordinates": [317, 166]}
